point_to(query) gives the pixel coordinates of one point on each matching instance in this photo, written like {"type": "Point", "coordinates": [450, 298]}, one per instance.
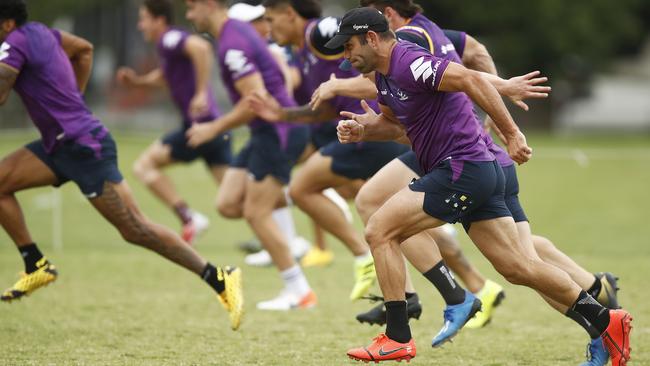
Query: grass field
{"type": "Point", "coordinates": [115, 304]}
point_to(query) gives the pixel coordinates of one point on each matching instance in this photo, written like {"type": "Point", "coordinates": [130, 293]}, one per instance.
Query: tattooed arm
{"type": "Point", "coordinates": [8, 77]}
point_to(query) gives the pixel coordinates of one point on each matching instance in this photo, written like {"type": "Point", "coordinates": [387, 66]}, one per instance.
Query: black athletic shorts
{"type": "Point", "coordinates": [473, 191]}
{"type": "Point", "coordinates": [264, 154]}
{"type": "Point", "coordinates": [214, 152]}
{"type": "Point", "coordinates": [361, 160]}
{"type": "Point", "coordinates": [89, 161]}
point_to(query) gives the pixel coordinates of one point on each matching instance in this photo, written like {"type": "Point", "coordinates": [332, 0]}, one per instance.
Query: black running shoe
{"type": "Point", "coordinates": [377, 315]}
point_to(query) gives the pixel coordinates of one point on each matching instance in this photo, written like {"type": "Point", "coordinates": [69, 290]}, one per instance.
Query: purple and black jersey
{"type": "Point", "coordinates": [47, 85]}
{"type": "Point", "coordinates": [179, 72]}
{"type": "Point", "coordinates": [449, 45]}
{"type": "Point", "coordinates": [440, 125]}
{"type": "Point", "coordinates": [242, 52]}
{"type": "Point", "coordinates": [317, 64]}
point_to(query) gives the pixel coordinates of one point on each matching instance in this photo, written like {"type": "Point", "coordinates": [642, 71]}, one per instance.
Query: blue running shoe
{"type": "Point", "coordinates": [597, 354]}
{"type": "Point", "coordinates": [455, 318]}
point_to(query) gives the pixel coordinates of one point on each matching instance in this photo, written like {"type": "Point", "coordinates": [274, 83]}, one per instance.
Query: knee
{"type": "Point", "coordinates": [229, 210]}
{"type": "Point", "coordinates": [375, 235]}
{"type": "Point", "coordinates": [137, 232]}
{"type": "Point", "coordinates": [297, 194]}
{"type": "Point", "coordinates": [516, 272]}
{"type": "Point", "coordinates": [142, 168]}
{"type": "Point", "coordinates": [543, 246]}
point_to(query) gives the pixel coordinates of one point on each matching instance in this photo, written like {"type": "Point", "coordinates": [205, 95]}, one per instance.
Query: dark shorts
{"type": "Point", "coordinates": [322, 134]}
{"type": "Point", "coordinates": [215, 152]}
{"type": "Point", "coordinates": [474, 193]}
{"type": "Point", "coordinates": [512, 194]}
{"type": "Point", "coordinates": [411, 161]}
{"type": "Point", "coordinates": [89, 161]}
{"type": "Point", "coordinates": [263, 155]}
{"type": "Point", "coordinates": [363, 160]}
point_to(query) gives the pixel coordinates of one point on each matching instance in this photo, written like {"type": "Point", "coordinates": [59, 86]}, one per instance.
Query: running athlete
{"type": "Point", "coordinates": [186, 64]}
{"type": "Point", "coordinates": [253, 188]}
{"type": "Point", "coordinates": [49, 70]}
{"type": "Point", "coordinates": [418, 94]}
{"type": "Point", "coordinates": [298, 23]}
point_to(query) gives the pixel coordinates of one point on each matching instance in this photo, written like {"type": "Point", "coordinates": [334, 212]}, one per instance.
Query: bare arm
{"type": "Point", "coordinates": [80, 52]}
{"type": "Point", "coordinates": [240, 114]}
{"type": "Point", "coordinates": [8, 77]}
{"type": "Point", "coordinates": [200, 52]}
{"type": "Point", "coordinates": [153, 79]}
{"type": "Point", "coordinates": [459, 79]}
{"type": "Point", "coordinates": [359, 87]}
{"type": "Point", "coordinates": [269, 109]}
{"type": "Point", "coordinates": [477, 57]}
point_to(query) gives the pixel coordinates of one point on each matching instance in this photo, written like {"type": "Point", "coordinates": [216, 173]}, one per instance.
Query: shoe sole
{"type": "Point", "coordinates": [399, 359]}
{"type": "Point", "coordinates": [234, 325]}
{"type": "Point", "coordinates": [476, 307]}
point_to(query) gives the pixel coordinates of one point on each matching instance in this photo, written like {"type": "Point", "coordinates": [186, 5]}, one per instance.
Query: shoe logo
{"type": "Point", "coordinates": [386, 353]}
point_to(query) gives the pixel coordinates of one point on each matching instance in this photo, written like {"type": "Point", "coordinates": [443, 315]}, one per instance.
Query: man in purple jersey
{"type": "Point", "coordinates": [298, 24]}
{"type": "Point", "coordinates": [420, 101]}
{"type": "Point", "coordinates": [186, 64]}
{"type": "Point", "coordinates": [410, 24]}
{"type": "Point", "coordinates": [49, 70]}
{"type": "Point", "coordinates": [253, 188]}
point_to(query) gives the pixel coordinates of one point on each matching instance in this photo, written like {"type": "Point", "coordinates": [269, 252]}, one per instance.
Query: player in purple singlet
{"type": "Point", "coordinates": [185, 66]}
{"type": "Point", "coordinates": [49, 70]}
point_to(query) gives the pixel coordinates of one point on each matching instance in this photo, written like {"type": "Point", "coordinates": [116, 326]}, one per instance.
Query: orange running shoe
{"type": "Point", "coordinates": [383, 348]}
{"type": "Point", "coordinates": [617, 337]}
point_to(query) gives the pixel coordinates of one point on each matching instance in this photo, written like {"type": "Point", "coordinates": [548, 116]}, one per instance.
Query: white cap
{"type": "Point", "coordinates": [246, 12]}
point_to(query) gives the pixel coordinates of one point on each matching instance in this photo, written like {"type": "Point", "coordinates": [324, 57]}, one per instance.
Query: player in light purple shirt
{"type": "Point", "coordinates": [420, 101]}
{"type": "Point", "coordinates": [186, 63]}
{"type": "Point", "coordinates": [49, 70]}
{"type": "Point", "coordinates": [254, 188]}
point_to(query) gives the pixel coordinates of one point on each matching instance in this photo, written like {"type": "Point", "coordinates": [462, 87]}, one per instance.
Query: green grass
{"type": "Point", "coordinates": [115, 304]}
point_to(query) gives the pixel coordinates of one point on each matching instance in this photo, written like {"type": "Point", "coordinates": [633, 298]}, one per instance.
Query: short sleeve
{"type": "Point", "coordinates": [173, 42]}
{"type": "Point", "coordinates": [239, 62]}
{"type": "Point", "coordinates": [426, 72]}
{"type": "Point", "coordinates": [458, 39]}
{"type": "Point", "coordinates": [57, 34]}
{"type": "Point", "coordinates": [13, 51]}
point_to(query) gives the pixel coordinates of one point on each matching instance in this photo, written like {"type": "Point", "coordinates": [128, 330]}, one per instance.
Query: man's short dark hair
{"type": "Point", "coordinates": [160, 8]}
{"type": "Point", "coordinates": [405, 8]}
{"type": "Point", "coordinates": [13, 9]}
{"type": "Point", "coordinates": [308, 9]}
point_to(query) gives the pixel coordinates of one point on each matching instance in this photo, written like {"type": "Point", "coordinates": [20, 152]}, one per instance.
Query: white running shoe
{"type": "Point", "coordinates": [287, 301]}
{"type": "Point", "coordinates": [193, 229]}
{"type": "Point", "coordinates": [340, 202]}
{"type": "Point", "coordinates": [299, 247]}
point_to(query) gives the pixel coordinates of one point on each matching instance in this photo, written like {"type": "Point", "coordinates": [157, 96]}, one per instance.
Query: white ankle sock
{"type": "Point", "coordinates": [295, 281]}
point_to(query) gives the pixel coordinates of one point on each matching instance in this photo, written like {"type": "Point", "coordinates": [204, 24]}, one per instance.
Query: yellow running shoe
{"type": "Point", "coordinates": [365, 277]}
{"type": "Point", "coordinates": [28, 283]}
{"type": "Point", "coordinates": [316, 257]}
{"type": "Point", "coordinates": [232, 298]}
{"type": "Point", "coordinates": [491, 296]}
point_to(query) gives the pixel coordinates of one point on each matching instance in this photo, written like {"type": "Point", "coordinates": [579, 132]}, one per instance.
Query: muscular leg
{"type": "Point", "coordinates": [19, 171]}
{"type": "Point", "coordinates": [148, 169]}
{"type": "Point", "coordinates": [230, 199]}
{"type": "Point", "coordinates": [119, 208]}
{"type": "Point", "coordinates": [306, 192]}
{"type": "Point", "coordinates": [550, 254]}
{"type": "Point", "coordinates": [456, 260]}
{"type": "Point", "coordinates": [218, 172]}
{"type": "Point", "coordinates": [261, 199]}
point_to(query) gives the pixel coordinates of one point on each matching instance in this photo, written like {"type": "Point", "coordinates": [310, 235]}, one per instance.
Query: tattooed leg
{"type": "Point", "coordinates": [118, 206]}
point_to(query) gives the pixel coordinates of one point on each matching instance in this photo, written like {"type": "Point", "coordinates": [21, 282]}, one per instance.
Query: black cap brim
{"type": "Point", "coordinates": [338, 41]}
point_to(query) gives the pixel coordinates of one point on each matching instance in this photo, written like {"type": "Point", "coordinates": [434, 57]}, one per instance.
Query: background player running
{"type": "Point", "coordinates": [186, 64]}
{"type": "Point", "coordinates": [49, 70]}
